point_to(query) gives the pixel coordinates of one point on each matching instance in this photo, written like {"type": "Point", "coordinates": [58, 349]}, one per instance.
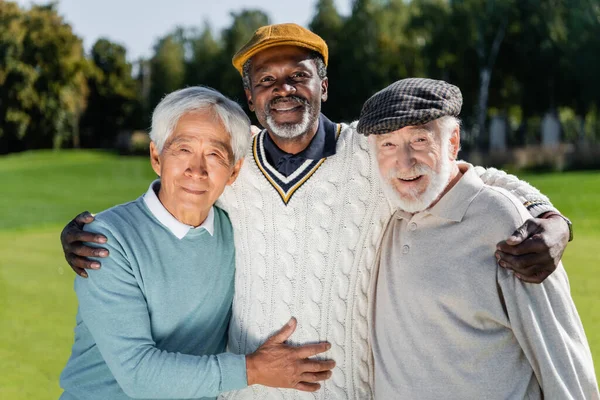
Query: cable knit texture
{"type": "Point", "coordinates": [311, 259]}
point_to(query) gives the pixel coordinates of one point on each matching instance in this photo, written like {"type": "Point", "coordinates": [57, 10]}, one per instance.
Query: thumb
{"type": "Point", "coordinates": [522, 233]}
{"type": "Point", "coordinates": [285, 332]}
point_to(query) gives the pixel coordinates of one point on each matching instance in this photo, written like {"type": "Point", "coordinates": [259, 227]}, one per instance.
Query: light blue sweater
{"type": "Point", "coordinates": [152, 322]}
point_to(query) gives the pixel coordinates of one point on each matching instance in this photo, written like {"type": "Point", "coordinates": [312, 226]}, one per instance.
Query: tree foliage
{"type": "Point", "coordinates": [519, 58]}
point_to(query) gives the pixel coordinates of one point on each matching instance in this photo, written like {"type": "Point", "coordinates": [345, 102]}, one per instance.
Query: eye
{"type": "Point", "coordinates": [184, 150]}
{"type": "Point", "coordinates": [266, 79]}
{"type": "Point", "coordinates": [420, 140]}
{"type": "Point", "coordinates": [300, 75]}
{"type": "Point", "coordinates": [387, 144]}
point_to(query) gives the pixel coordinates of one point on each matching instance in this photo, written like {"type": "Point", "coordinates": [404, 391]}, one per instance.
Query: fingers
{"type": "Point", "coordinates": [84, 218]}
{"type": "Point", "coordinates": [531, 268]}
{"type": "Point", "coordinates": [79, 249]}
{"type": "Point", "coordinates": [73, 235]}
{"type": "Point", "coordinates": [529, 228]}
{"type": "Point", "coordinates": [78, 263]}
{"type": "Point", "coordinates": [521, 264]}
{"type": "Point", "coordinates": [284, 333]}
{"type": "Point", "coordinates": [315, 376]}
{"type": "Point", "coordinates": [533, 244]}
{"type": "Point", "coordinates": [312, 366]}
{"type": "Point", "coordinates": [310, 350]}
{"type": "Point", "coordinates": [79, 271]}
{"type": "Point", "coordinates": [536, 277]}
{"type": "Point", "coordinates": [307, 387]}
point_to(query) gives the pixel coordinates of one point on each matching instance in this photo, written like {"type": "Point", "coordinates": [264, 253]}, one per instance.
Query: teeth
{"type": "Point", "coordinates": [284, 108]}
{"type": "Point", "coordinates": [410, 179]}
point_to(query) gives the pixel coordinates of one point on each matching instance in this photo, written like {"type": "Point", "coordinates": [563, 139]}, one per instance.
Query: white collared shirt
{"type": "Point", "coordinates": [179, 229]}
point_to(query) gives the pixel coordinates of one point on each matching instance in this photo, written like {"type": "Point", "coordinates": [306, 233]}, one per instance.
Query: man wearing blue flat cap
{"type": "Point", "coordinates": [446, 320]}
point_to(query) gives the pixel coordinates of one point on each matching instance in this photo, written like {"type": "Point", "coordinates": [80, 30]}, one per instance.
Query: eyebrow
{"type": "Point", "coordinates": [226, 147]}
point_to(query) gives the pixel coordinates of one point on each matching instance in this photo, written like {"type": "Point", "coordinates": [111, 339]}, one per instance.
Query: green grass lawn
{"type": "Point", "coordinates": [43, 190]}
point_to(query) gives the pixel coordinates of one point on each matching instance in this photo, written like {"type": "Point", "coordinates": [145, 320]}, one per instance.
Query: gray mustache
{"type": "Point", "coordinates": [288, 99]}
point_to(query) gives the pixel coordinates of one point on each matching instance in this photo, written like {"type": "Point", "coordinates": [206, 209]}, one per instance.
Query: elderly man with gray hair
{"type": "Point", "coordinates": [153, 322]}
{"type": "Point", "coordinates": [446, 320]}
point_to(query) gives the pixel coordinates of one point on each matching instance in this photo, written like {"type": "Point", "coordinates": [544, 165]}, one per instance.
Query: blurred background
{"type": "Point", "coordinates": [79, 80]}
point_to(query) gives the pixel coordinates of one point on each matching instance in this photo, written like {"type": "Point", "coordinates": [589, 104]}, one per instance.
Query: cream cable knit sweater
{"type": "Point", "coordinates": [312, 259]}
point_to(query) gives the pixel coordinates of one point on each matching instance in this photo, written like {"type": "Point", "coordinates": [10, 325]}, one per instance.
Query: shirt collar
{"type": "Point", "coordinates": [322, 145]}
{"type": "Point", "coordinates": [176, 227]}
{"type": "Point", "coordinates": [454, 204]}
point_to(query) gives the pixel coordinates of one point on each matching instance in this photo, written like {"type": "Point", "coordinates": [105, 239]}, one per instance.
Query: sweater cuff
{"type": "Point", "coordinates": [538, 207]}
{"type": "Point", "coordinates": [233, 371]}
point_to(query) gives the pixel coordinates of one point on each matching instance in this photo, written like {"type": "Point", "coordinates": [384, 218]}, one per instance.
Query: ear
{"type": "Point", "coordinates": [249, 99]}
{"type": "Point", "coordinates": [154, 158]}
{"type": "Point", "coordinates": [236, 171]}
{"type": "Point", "coordinates": [324, 87]}
{"type": "Point", "coordinates": [454, 143]}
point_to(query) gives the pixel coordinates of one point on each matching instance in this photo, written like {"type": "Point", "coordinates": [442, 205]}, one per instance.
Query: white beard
{"type": "Point", "coordinates": [290, 131]}
{"type": "Point", "coordinates": [419, 202]}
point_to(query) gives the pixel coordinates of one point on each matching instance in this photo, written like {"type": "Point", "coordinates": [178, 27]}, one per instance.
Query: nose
{"type": "Point", "coordinates": [197, 168]}
{"type": "Point", "coordinates": [285, 88]}
{"type": "Point", "coordinates": [405, 159]}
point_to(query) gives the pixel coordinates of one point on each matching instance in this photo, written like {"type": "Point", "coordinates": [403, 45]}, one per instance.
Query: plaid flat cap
{"type": "Point", "coordinates": [408, 102]}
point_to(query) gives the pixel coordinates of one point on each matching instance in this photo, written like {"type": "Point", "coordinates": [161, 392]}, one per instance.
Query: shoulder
{"type": "Point", "coordinates": [501, 209]}
{"type": "Point", "coordinates": [116, 221]}
{"type": "Point", "coordinates": [349, 135]}
{"type": "Point", "coordinates": [222, 219]}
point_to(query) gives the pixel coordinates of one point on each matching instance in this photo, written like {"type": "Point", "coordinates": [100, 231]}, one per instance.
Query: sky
{"type": "Point", "coordinates": [137, 24]}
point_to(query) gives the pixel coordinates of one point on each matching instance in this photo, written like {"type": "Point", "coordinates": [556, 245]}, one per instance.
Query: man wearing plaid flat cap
{"type": "Point", "coordinates": [446, 320]}
{"type": "Point", "coordinates": [307, 211]}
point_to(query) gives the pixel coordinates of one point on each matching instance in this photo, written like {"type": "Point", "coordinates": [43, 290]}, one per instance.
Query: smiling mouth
{"type": "Point", "coordinates": [289, 108]}
{"type": "Point", "coordinates": [196, 192]}
{"type": "Point", "coordinates": [410, 179]}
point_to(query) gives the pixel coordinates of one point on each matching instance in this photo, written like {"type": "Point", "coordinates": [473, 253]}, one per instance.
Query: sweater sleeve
{"type": "Point", "coordinates": [546, 324]}
{"type": "Point", "coordinates": [113, 307]}
{"type": "Point", "coordinates": [534, 201]}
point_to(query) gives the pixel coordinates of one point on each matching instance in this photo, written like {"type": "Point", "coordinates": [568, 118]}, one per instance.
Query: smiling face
{"type": "Point", "coordinates": [195, 165]}
{"type": "Point", "coordinates": [416, 164]}
{"type": "Point", "coordinates": [286, 91]}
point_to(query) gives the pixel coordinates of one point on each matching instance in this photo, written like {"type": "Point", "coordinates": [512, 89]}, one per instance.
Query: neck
{"type": "Point", "coordinates": [455, 175]}
{"type": "Point", "coordinates": [188, 216]}
{"type": "Point", "coordinates": [297, 144]}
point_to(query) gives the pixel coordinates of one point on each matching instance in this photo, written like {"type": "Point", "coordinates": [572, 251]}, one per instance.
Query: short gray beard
{"type": "Point", "coordinates": [291, 131]}
{"type": "Point", "coordinates": [438, 182]}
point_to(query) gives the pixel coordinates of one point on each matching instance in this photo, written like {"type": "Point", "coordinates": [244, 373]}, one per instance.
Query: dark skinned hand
{"type": "Point", "coordinates": [76, 253]}
{"type": "Point", "coordinates": [534, 250]}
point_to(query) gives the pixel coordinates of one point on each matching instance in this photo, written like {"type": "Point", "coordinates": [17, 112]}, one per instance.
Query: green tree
{"type": "Point", "coordinates": [245, 23]}
{"type": "Point", "coordinates": [60, 80]}
{"type": "Point", "coordinates": [206, 49]}
{"type": "Point", "coordinates": [42, 73]}
{"type": "Point", "coordinates": [167, 67]}
{"type": "Point", "coordinates": [328, 24]}
{"type": "Point", "coordinates": [113, 96]}
{"type": "Point", "coordinates": [16, 79]}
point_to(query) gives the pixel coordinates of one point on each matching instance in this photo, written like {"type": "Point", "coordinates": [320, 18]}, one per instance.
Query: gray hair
{"type": "Point", "coordinates": [447, 124]}
{"type": "Point", "coordinates": [316, 57]}
{"type": "Point", "coordinates": [174, 105]}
